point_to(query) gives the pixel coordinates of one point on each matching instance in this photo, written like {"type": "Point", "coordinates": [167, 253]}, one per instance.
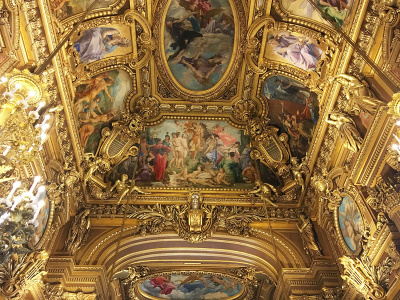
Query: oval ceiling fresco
{"type": "Point", "coordinates": [192, 286]}
{"type": "Point", "coordinates": [199, 40]}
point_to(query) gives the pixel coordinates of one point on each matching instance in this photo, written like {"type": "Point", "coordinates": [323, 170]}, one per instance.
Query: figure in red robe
{"type": "Point", "coordinates": [160, 152]}
{"type": "Point", "coordinates": [164, 284]}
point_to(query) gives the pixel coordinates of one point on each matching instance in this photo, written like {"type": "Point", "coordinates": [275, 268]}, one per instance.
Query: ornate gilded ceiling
{"type": "Point", "coordinates": [212, 149]}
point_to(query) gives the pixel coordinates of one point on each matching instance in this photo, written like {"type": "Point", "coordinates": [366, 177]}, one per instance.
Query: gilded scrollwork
{"type": "Point", "coordinates": [57, 292]}
{"type": "Point", "coordinates": [19, 270]}
{"type": "Point", "coordinates": [369, 280]}
{"type": "Point", "coordinates": [195, 221]}
{"type": "Point", "coordinates": [383, 196]}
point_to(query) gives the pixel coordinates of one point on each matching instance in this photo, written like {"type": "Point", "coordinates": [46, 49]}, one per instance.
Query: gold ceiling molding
{"type": "Point", "coordinates": [66, 25]}
{"type": "Point", "coordinates": [307, 283]}
{"type": "Point", "coordinates": [390, 40]}
{"type": "Point", "coordinates": [257, 252]}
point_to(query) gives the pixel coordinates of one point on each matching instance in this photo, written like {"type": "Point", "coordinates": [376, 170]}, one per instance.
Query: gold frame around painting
{"type": "Point", "coordinates": [111, 10]}
{"type": "Point", "coordinates": [107, 61]}
{"type": "Point", "coordinates": [353, 194]}
{"type": "Point", "coordinates": [230, 73]}
{"type": "Point", "coordinates": [49, 230]}
{"type": "Point", "coordinates": [308, 22]}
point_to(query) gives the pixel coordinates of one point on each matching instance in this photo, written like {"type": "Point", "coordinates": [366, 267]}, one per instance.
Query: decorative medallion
{"type": "Point", "coordinates": [350, 223]}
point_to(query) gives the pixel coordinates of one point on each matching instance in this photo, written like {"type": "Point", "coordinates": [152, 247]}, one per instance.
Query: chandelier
{"type": "Point", "coordinates": [25, 120]}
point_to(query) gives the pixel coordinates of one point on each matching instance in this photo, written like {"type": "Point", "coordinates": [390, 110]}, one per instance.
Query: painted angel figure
{"type": "Point", "coordinates": [347, 129]}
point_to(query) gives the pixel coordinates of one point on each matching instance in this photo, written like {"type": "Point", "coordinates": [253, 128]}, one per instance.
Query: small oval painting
{"type": "Point", "coordinates": [350, 223]}
{"type": "Point", "coordinates": [198, 41]}
{"type": "Point", "coordinates": [41, 219]}
{"type": "Point", "coordinates": [192, 286]}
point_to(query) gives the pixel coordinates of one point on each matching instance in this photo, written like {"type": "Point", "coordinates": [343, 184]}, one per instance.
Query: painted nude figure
{"type": "Point", "coordinates": [94, 87]}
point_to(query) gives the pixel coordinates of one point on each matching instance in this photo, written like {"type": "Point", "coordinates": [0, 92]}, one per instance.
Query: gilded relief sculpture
{"type": "Point", "coordinates": [298, 170]}
{"type": "Point", "coordinates": [78, 232]}
{"type": "Point", "coordinates": [125, 187]}
{"type": "Point", "coordinates": [348, 132]}
{"type": "Point", "coordinates": [307, 234]}
{"type": "Point", "coordinates": [264, 192]}
{"type": "Point", "coordinates": [358, 92]}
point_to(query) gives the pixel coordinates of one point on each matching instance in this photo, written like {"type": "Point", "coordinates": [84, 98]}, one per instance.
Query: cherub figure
{"type": "Point", "coordinates": [96, 164]}
{"type": "Point", "coordinates": [297, 170]}
{"type": "Point", "coordinates": [221, 175]}
{"type": "Point", "coordinates": [264, 191]}
{"type": "Point", "coordinates": [124, 188]}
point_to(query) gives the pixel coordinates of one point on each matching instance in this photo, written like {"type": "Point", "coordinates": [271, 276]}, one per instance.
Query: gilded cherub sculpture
{"type": "Point", "coordinates": [264, 191]}
{"type": "Point", "coordinates": [297, 170]}
{"type": "Point", "coordinates": [124, 188]}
